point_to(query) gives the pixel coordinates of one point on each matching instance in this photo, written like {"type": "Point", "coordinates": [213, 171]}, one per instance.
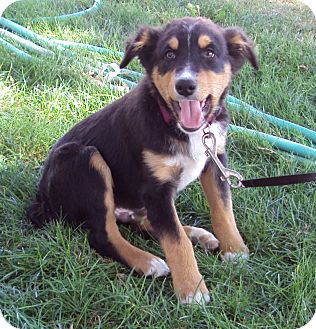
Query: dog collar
{"type": "Point", "coordinates": [167, 117]}
{"type": "Point", "coordinates": [165, 114]}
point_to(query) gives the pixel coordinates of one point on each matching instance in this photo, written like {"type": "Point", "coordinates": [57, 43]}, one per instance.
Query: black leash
{"type": "Point", "coordinates": [230, 176]}
{"type": "Point", "coordinates": [279, 180]}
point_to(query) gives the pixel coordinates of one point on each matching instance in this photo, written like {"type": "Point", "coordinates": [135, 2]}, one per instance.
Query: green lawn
{"type": "Point", "coordinates": [50, 278]}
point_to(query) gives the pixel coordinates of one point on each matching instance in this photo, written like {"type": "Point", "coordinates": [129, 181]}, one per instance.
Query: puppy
{"type": "Point", "coordinates": [139, 151]}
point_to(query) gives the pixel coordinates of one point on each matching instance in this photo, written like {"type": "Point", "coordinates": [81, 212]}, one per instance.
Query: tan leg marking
{"type": "Point", "coordinates": [143, 262]}
{"type": "Point", "coordinates": [187, 280]}
{"type": "Point", "coordinates": [223, 221]}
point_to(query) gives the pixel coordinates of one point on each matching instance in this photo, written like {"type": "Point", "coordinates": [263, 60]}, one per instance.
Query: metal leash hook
{"type": "Point", "coordinates": [226, 172]}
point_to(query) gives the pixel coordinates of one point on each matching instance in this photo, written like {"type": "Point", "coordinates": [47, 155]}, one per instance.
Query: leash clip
{"type": "Point", "coordinates": [227, 173]}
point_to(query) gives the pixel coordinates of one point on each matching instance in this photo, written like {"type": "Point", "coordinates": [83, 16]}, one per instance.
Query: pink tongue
{"type": "Point", "coordinates": [190, 114]}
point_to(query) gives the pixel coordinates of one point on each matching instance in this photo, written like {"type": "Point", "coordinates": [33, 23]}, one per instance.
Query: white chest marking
{"type": "Point", "coordinates": [194, 163]}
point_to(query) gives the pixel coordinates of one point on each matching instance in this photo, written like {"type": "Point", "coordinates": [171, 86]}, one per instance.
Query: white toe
{"type": "Point", "coordinates": [199, 298]}
{"type": "Point", "coordinates": [158, 268]}
{"type": "Point", "coordinates": [234, 256]}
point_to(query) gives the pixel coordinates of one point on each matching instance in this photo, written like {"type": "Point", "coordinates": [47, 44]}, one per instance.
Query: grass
{"type": "Point", "coordinates": [51, 278]}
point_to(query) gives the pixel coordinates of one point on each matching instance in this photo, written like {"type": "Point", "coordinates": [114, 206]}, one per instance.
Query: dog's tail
{"type": "Point", "coordinates": [38, 213]}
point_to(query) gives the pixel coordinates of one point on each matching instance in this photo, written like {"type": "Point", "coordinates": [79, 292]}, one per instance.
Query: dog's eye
{"type": "Point", "coordinates": [170, 54]}
{"type": "Point", "coordinates": [209, 53]}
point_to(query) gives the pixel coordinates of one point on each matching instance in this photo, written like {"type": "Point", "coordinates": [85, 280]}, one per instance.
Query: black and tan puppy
{"type": "Point", "coordinates": [138, 152]}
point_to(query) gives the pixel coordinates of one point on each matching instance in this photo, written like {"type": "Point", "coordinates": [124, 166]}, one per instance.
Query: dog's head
{"type": "Point", "coordinates": [191, 62]}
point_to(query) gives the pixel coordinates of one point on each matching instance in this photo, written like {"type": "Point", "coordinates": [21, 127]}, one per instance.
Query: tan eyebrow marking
{"type": "Point", "coordinates": [204, 41]}
{"type": "Point", "coordinates": [173, 43]}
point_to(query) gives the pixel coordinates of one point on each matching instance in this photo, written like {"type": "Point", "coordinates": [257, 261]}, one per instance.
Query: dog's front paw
{"type": "Point", "coordinates": [234, 256]}
{"type": "Point", "coordinates": [157, 268]}
{"type": "Point", "coordinates": [189, 292]}
{"type": "Point", "coordinates": [197, 297]}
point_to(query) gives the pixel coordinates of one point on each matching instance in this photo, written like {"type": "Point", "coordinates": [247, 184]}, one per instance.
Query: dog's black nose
{"type": "Point", "coordinates": [185, 87]}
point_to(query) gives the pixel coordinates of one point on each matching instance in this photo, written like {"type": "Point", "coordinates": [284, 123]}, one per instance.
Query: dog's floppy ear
{"type": "Point", "coordinates": [240, 47]}
{"type": "Point", "coordinates": [142, 45]}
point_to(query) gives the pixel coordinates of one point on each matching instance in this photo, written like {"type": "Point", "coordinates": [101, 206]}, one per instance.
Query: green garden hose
{"type": "Point", "coordinates": [131, 77]}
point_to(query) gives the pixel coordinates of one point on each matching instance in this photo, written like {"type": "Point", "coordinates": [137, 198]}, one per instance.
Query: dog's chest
{"type": "Point", "coordinates": [192, 166]}
{"type": "Point", "coordinates": [192, 163]}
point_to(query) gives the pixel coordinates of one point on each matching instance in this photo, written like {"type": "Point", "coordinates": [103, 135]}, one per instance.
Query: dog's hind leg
{"type": "Point", "coordinates": [105, 235]}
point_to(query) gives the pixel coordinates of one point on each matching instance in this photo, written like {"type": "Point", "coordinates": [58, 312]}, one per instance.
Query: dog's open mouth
{"type": "Point", "coordinates": [193, 113]}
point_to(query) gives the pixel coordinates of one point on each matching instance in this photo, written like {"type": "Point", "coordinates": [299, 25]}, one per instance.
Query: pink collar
{"type": "Point", "coordinates": [165, 114]}
{"type": "Point", "coordinates": [167, 117]}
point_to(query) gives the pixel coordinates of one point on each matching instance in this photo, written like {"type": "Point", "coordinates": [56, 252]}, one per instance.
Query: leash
{"type": "Point", "coordinates": [230, 176]}
{"type": "Point", "coordinates": [280, 180]}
